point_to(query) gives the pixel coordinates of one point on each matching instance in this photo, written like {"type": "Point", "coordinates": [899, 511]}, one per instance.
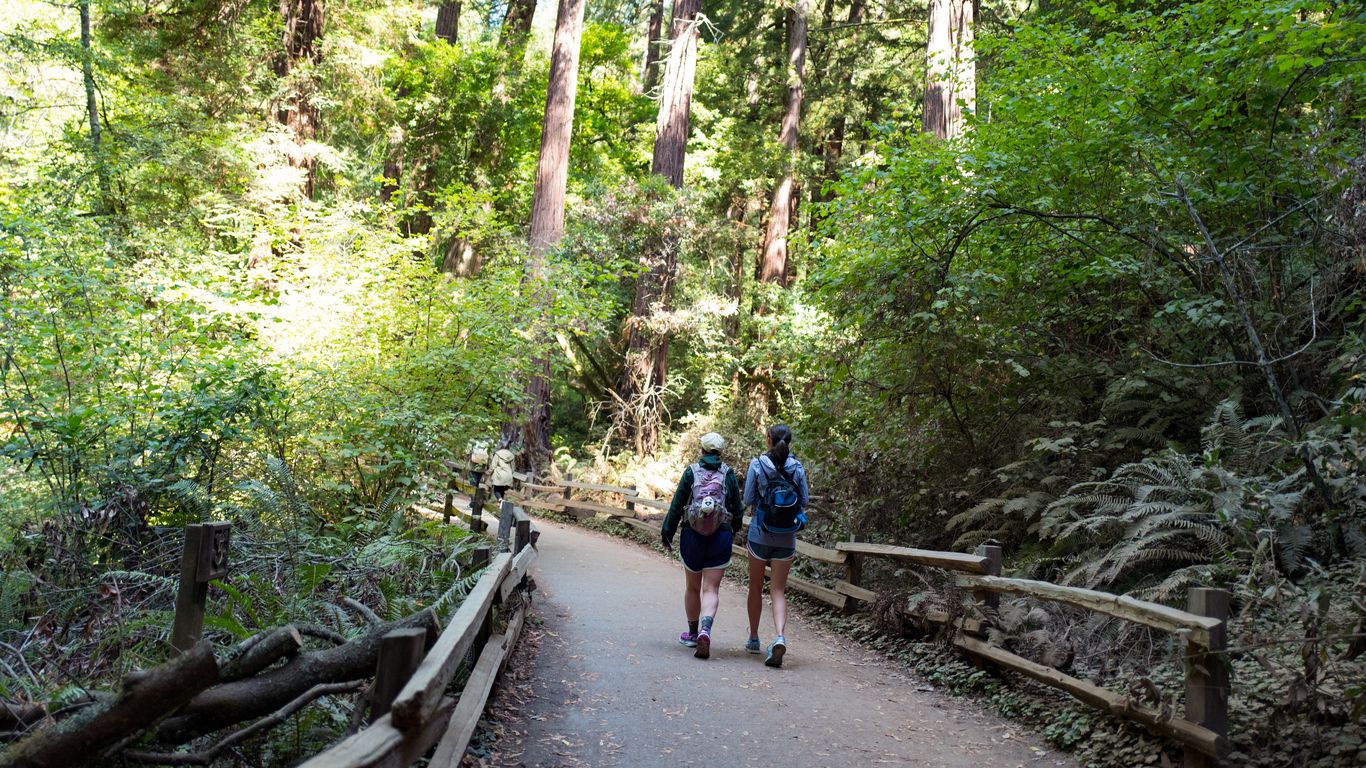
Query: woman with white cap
{"type": "Point", "coordinates": [707, 503]}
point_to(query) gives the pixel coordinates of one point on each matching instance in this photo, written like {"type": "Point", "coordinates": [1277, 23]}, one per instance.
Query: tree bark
{"type": "Point", "coordinates": [675, 102]}
{"type": "Point", "coordinates": [516, 29]}
{"type": "Point", "coordinates": [833, 151]}
{"type": "Point", "coordinates": [547, 224]}
{"type": "Point", "coordinates": [650, 73]}
{"type": "Point", "coordinates": [448, 21]}
{"type": "Point", "coordinates": [85, 737]}
{"type": "Point", "coordinates": [260, 651]}
{"type": "Point", "coordinates": [951, 71]}
{"type": "Point", "coordinates": [92, 111]}
{"type": "Point", "coordinates": [647, 354]}
{"type": "Point", "coordinates": [303, 31]}
{"type": "Point", "coordinates": [242, 700]}
{"type": "Point", "coordinates": [773, 260]}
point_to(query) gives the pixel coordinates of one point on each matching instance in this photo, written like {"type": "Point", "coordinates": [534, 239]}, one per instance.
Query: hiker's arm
{"type": "Point", "coordinates": [680, 500]}
{"type": "Point", "coordinates": [751, 487]}
{"type": "Point", "coordinates": [733, 504]}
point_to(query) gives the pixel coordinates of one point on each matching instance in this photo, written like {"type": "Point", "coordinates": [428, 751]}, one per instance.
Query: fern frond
{"type": "Point", "coordinates": [977, 514]}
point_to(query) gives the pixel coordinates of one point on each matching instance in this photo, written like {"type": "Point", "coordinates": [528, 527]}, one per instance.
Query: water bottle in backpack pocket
{"type": "Point", "coordinates": [707, 513]}
{"type": "Point", "coordinates": [780, 511]}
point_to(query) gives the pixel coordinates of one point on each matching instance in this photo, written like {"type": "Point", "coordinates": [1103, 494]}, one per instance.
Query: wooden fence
{"type": "Point", "coordinates": [410, 687]}
{"type": "Point", "coordinates": [1201, 731]}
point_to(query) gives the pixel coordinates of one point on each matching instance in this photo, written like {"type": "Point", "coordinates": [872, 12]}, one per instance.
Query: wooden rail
{"type": "Point", "coordinates": [421, 716]}
{"type": "Point", "coordinates": [1202, 731]}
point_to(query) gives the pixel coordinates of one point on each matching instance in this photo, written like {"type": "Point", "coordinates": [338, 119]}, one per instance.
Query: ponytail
{"type": "Point", "coordinates": [781, 437]}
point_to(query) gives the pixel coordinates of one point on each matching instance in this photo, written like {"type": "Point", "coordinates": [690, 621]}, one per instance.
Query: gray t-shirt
{"type": "Point", "coordinates": [756, 483]}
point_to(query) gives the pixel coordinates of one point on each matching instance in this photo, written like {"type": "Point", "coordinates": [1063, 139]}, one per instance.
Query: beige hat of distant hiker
{"type": "Point", "coordinates": [712, 442]}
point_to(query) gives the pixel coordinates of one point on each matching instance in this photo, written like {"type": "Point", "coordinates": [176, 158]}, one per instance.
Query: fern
{"type": "Point", "coordinates": [455, 594]}
{"type": "Point", "coordinates": [1174, 513]}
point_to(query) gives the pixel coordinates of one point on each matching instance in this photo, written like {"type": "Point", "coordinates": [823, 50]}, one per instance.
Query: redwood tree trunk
{"type": "Point", "coordinates": [547, 224]}
{"type": "Point", "coordinates": [833, 151]}
{"type": "Point", "coordinates": [773, 260]}
{"type": "Point", "coordinates": [650, 76]}
{"type": "Point", "coordinates": [647, 354]}
{"type": "Point", "coordinates": [448, 21]}
{"type": "Point", "coordinates": [303, 31]}
{"type": "Point", "coordinates": [516, 29]}
{"type": "Point", "coordinates": [951, 79]}
{"type": "Point", "coordinates": [675, 102]}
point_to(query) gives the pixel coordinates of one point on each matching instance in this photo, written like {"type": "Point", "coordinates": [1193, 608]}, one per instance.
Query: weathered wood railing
{"type": "Point", "coordinates": [1204, 726]}
{"type": "Point", "coordinates": [420, 715]}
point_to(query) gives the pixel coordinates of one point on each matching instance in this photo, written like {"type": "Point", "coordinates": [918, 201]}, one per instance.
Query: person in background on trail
{"type": "Point", "coordinates": [479, 461]}
{"type": "Point", "coordinates": [500, 476]}
{"type": "Point", "coordinates": [776, 491]}
{"type": "Point", "coordinates": [707, 504]}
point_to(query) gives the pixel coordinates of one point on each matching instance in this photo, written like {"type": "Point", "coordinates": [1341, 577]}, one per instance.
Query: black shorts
{"type": "Point", "coordinates": [704, 553]}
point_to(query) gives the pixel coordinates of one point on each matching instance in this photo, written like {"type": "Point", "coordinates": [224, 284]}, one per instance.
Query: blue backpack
{"type": "Point", "coordinates": [781, 508]}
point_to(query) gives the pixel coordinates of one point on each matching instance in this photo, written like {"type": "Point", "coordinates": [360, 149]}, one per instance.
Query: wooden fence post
{"type": "Point", "coordinates": [400, 652]}
{"type": "Point", "coordinates": [203, 559]}
{"type": "Point", "coordinates": [990, 601]}
{"type": "Point", "coordinates": [450, 497]}
{"type": "Point", "coordinates": [1207, 673]}
{"type": "Point", "coordinates": [523, 534]}
{"type": "Point", "coordinates": [477, 511]}
{"type": "Point", "coordinates": [631, 505]}
{"type": "Point", "coordinates": [480, 558]}
{"type": "Point", "coordinates": [853, 573]}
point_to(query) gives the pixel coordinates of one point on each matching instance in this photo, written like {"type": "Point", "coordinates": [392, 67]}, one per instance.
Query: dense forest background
{"type": "Point", "coordinates": [1081, 278]}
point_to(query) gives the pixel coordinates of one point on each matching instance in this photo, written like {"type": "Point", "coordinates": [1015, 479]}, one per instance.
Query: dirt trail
{"type": "Point", "coordinates": [604, 682]}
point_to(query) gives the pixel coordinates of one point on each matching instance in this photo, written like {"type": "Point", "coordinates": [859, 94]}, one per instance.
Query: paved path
{"type": "Point", "coordinates": [604, 682]}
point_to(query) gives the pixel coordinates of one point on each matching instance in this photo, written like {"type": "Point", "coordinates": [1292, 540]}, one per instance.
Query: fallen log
{"type": "Point", "coordinates": [256, 653]}
{"type": "Point", "coordinates": [86, 737]}
{"type": "Point", "coordinates": [207, 756]}
{"type": "Point", "coordinates": [243, 700]}
{"type": "Point", "coordinates": [20, 715]}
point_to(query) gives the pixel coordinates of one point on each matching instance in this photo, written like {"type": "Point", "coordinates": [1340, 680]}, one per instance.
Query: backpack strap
{"type": "Point", "coordinates": [780, 470]}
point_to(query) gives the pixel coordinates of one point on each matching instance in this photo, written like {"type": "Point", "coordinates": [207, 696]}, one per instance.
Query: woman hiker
{"type": "Point", "coordinates": [776, 489]}
{"type": "Point", "coordinates": [707, 504]}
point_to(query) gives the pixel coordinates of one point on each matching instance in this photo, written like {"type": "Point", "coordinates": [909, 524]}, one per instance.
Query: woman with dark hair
{"type": "Point", "coordinates": [776, 491]}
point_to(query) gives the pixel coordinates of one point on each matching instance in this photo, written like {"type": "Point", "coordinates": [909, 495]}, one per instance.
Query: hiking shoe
{"type": "Point", "coordinates": [703, 644]}
{"type": "Point", "coordinates": [775, 653]}
{"type": "Point", "coordinates": [752, 646]}
{"type": "Point", "coordinates": [688, 638]}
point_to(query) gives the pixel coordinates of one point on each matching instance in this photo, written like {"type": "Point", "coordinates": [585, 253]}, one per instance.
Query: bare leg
{"type": "Point", "coordinates": [692, 597]}
{"type": "Point", "coordinates": [711, 590]}
{"type": "Point", "coordinates": [777, 592]}
{"type": "Point", "coordinates": [756, 594]}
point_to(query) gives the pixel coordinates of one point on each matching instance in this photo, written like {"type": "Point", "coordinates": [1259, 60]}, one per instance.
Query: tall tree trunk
{"type": "Point", "coordinates": [773, 260]}
{"type": "Point", "coordinates": [650, 76]}
{"type": "Point", "coordinates": [951, 71]}
{"type": "Point", "coordinates": [448, 21]}
{"type": "Point", "coordinates": [303, 30]}
{"type": "Point", "coordinates": [833, 150]}
{"type": "Point", "coordinates": [92, 111]}
{"type": "Point", "coordinates": [516, 29]}
{"type": "Point", "coordinates": [675, 102]}
{"type": "Point", "coordinates": [547, 224]}
{"type": "Point", "coordinates": [647, 354]}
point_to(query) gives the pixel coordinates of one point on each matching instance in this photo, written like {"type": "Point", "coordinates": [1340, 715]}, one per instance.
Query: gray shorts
{"type": "Point", "coordinates": [768, 554]}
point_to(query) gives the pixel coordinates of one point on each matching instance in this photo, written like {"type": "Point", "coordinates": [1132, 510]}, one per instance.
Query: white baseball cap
{"type": "Point", "coordinates": [712, 442]}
